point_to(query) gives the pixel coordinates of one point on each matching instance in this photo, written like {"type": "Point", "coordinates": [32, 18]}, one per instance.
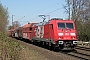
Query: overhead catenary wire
{"type": "Point", "coordinates": [47, 13]}
{"type": "Point", "coordinates": [40, 11]}
{"type": "Point", "coordinates": [45, 9]}
{"type": "Point", "coordinates": [54, 11]}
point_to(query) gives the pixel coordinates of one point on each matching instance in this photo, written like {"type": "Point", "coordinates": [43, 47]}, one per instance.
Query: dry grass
{"type": "Point", "coordinates": [28, 54]}
{"type": "Point", "coordinates": [9, 50]}
{"type": "Point", "coordinates": [13, 50]}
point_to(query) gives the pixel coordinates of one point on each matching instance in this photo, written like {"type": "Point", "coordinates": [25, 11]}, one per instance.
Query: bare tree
{"type": "Point", "coordinates": [78, 9]}
{"type": "Point", "coordinates": [67, 8]}
{"type": "Point", "coordinates": [3, 17]}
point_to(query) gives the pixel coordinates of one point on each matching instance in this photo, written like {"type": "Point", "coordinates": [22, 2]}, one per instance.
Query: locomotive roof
{"type": "Point", "coordinates": [60, 20]}
{"type": "Point", "coordinates": [53, 21]}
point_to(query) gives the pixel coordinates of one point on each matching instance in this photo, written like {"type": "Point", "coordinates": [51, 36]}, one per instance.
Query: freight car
{"type": "Point", "coordinates": [18, 32]}
{"type": "Point", "coordinates": [27, 31]}
{"type": "Point", "coordinates": [56, 33]}
{"type": "Point", "coordinates": [11, 32]}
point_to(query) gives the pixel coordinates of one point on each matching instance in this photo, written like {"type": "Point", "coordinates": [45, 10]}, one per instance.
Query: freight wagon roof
{"type": "Point", "coordinates": [29, 25]}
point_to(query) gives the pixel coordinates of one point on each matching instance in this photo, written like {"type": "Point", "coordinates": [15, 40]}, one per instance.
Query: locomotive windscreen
{"type": "Point", "coordinates": [61, 25]}
{"type": "Point", "coordinates": [69, 25]}
{"type": "Point", "coordinates": [65, 25]}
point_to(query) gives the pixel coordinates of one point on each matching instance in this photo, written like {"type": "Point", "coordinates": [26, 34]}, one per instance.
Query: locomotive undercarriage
{"type": "Point", "coordinates": [59, 45]}
{"type": "Point", "coordinates": [65, 45]}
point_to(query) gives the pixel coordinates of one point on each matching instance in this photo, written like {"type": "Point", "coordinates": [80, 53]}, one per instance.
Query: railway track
{"type": "Point", "coordinates": [78, 55]}
{"type": "Point", "coordinates": [83, 48]}
{"type": "Point", "coordinates": [81, 53]}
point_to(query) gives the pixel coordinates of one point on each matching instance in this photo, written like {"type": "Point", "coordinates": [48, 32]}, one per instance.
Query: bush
{"type": "Point", "coordinates": [9, 49]}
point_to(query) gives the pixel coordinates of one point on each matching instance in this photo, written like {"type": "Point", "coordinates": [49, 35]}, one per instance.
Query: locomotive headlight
{"type": "Point", "coordinates": [60, 34]}
{"type": "Point", "coordinates": [75, 42]}
{"type": "Point", "coordinates": [60, 42]}
{"type": "Point", "coordinates": [73, 34]}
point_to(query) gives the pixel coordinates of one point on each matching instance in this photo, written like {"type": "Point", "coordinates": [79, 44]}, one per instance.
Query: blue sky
{"type": "Point", "coordinates": [32, 8]}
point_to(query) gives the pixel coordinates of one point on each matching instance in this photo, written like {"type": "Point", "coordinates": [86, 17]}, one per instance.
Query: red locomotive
{"type": "Point", "coordinates": [56, 33]}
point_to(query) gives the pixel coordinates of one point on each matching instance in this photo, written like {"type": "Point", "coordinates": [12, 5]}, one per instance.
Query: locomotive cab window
{"type": "Point", "coordinates": [69, 25]}
{"type": "Point", "coordinates": [61, 25]}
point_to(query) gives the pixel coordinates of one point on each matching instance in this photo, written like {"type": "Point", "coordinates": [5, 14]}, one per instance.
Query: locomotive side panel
{"type": "Point", "coordinates": [43, 33]}
{"type": "Point", "coordinates": [48, 32]}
